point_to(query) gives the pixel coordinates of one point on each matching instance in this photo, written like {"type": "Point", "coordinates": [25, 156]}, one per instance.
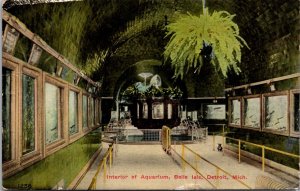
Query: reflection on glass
{"type": "Point", "coordinates": [169, 111]}
{"type": "Point", "coordinates": [145, 110]}
{"type": "Point", "coordinates": [28, 111]}
{"type": "Point", "coordinates": [214, 111]}
{"type": "Point", "coordinates": [84, 112]}
{"type": "Point", "coordinates": [99, 110]}
{"type": "Point", "coordinates": [296, 112]}
{"type": "Point", "coordinates": [235, 112]}
{"type": "Point", "coordinates": [138, 111]}
{"type": "Point", "coordinates": [91, 112]}
{"type": "Point", "coordinates": [73, 107]}
{"type": "Point", "coordinates": [157, 111]}
{"type": "Point", "coordinates": [194, 115]}
{"type": "Point", "coordinates": [252, 112]}
{"type": "Point", "coordinates": [276, 113]}
{"type": "Point", "coordinates": [189, 115]}
{"type": "Point", "coordinates": [96, 112]}
{"type": "Point", "coordinates": [179, 111]}
{"type": "Point", "coordinates": [6, 114]}
{"type": "Point", "coordinates": [52, 108]}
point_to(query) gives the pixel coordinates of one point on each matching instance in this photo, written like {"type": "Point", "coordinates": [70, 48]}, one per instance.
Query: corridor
{"type": "Point", "coordinates": [194, 94]}
{"type": "Point", "coordinates": [149, 167]}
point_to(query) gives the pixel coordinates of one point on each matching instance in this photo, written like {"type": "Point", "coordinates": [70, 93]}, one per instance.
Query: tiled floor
{"type": "Point", "coordinates": [149, 167]}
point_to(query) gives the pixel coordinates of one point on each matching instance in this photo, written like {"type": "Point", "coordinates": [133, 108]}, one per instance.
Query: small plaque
{"type": "Point", "coordinates": [35, 55]}
{"type": "Point", "coordinates": [10, 39]}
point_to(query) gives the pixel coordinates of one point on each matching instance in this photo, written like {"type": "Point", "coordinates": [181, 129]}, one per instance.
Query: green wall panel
{"type": "Point", "coordinates": [63, 165]}
{"type": "Point", "coordinates": [280, 142]}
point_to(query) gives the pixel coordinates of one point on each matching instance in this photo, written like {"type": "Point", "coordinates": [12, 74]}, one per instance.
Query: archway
{"type": "Point", "coordinates": [133, 75]}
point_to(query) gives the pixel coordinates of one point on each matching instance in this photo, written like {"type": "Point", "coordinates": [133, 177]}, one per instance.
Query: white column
{"type": "Point", "coordinates": [117, 110]}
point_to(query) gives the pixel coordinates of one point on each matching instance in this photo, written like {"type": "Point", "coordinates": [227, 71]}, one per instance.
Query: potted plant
{"type": "Point", "coordinates": [172, 93]}
{"type": "Point", "coordinates": [153, 92]}
{"type": "Point", "coordinates": [207, 38]}
{"type": "Point", "coordinates": [167, 92]}
{"type": "Point", "coordinates": [176, 93]}
{"type": "Point", "coordinates": [130, 93]}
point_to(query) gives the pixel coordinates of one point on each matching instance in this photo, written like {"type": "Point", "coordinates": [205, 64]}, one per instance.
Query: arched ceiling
{"type": "Point", "coordinates": [108, 36]}
{"type": "Point", "coordinates": [131, 75]}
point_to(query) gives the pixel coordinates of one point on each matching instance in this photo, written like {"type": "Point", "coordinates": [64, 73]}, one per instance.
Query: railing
{"type": "Point", "coordinates": [263, 148]}
{"type": "Point", "coordinates": [199, 134]}
{"type": "Point", "coordinates": [108, 157]}
{"type": "Point", "coordinates": [166, 139]}
{"type": "Point", "coordinates": [197, 157]}
{"type": "Point", "coordinates": [189, 130]}
{"type": "Point", "coordinates": [135, 135]}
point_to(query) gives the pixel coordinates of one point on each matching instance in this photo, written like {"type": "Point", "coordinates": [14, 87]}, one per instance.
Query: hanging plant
{"type": "Point", "coordinates": [208, 38]}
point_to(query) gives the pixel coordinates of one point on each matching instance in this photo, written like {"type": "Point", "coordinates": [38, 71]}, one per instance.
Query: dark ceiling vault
{"type": "Point", "coordinates": [108, 36]}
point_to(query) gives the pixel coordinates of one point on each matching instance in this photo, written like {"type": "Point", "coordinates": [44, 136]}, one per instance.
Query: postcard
{"type": "Point", "coordinates": [150, 94]}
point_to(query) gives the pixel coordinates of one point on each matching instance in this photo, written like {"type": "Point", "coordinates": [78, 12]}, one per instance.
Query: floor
{"type": "Point", "coordinates": [149, 167]}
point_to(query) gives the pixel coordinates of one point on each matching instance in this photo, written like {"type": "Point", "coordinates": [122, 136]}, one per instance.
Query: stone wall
{"type": "Point", "coordinates": [271, 29]}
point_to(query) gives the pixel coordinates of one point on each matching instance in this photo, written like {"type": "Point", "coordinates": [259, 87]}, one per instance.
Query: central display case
{"type": "Point", "coordinates": [153, 113]}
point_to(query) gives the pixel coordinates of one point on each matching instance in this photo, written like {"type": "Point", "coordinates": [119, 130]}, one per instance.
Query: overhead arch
{"type": "Point", "coordinates": [130, 76]}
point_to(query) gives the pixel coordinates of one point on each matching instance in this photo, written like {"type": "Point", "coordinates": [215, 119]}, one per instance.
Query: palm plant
{"type": "Point", "coordinates": [208, 38]}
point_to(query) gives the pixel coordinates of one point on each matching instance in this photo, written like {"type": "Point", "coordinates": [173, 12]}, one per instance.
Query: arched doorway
{"type": "Point", "coordinates": [148, 96]}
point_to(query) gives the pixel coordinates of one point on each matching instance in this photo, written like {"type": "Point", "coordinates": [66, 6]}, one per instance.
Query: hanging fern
{"type": "Point", "coordinates": [191, 34]}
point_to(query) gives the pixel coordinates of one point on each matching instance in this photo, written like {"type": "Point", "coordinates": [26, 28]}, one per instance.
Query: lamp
{"type": "Point", "coordinates": [98, 90]}
{"type": "Point", "coordinates": [145, 75]}
{"type": "Point", "coordinates": [215, 100]}
{"type": "Point", "coordinates": [232, 92]}
{"type": "Point", "coordinates": [87, 87]}
{"type": "Point", "coordinates": [58, 70]}
{"type": "Point", "coordinates": [272, 86]}
{"type": "Point", "coordinates": [249, 91]}
{"type": "Point", "coordinates": [76, 79]}
{"type": "Point", "coordinates": [94, 89]}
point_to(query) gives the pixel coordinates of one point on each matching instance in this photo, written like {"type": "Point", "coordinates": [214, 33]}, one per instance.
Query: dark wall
{"type": "Point", "coordinates": [283, 143]}
{"type": "Point", "coordinates": [271, 30]}
{"type": "Point", "coordinates": [107, 105]}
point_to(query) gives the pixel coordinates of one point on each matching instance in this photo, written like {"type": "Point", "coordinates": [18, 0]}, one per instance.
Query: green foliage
{"type": "Point", "coordinates": [188, 33]}
{"type": "Point", "coordinates": [141, 24]}
{"type": "Point", "coordinates": [28, 119]}
{"type": "Point", "coordinates": [132, 92]}
{"type": "Point", "coordinates": [154, 92]}
{"type": "Point", "coordinates": [6, 116]}
{"type": "Point", "coordinates": [62, 26]}
{"type": "Point", "coordinates": [176, 93]}
{"type": "Point", "coordinates": [94, 62]}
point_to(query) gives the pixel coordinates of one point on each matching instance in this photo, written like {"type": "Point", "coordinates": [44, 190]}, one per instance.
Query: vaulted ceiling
{"type": "Point", "coordinates": [106, 37]}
